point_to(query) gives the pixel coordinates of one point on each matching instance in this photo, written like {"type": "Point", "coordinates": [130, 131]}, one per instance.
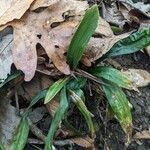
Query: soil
{"type": "Point", "coordinates": [109, 134]}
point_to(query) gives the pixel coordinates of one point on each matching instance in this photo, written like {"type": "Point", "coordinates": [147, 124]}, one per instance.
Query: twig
{"type": "Point", "coordinates": [17, 101]}
{"type": "Point", "coordinates": [89, 76]}
{"type": "Point", "coordinates": [36, 131]}
{"type": "Point", "coordinates": [63, 142]}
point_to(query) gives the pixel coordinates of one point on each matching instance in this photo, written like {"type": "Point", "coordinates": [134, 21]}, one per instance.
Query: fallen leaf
{"type": "Point", "coordinates": [36, 28]}
{"type": "Point", "coordinates": [6, 58]}
{"type": "Point", "coordinates": [139, 7]}
{"type": "Point", "coordinates": [145, 134]}
{"type": "Point", "coordinates": [42, 3]}
{"type": "Point", "coordinates": [85, 142]}
{"type": "Point", "coordinates": [8, 120]}
{"type": "Point", "coordinates": [138, 77]}
{"type": "Point", "coordinates": [13, 9]}
{"type": "Point", "coordinates": [148, 50]}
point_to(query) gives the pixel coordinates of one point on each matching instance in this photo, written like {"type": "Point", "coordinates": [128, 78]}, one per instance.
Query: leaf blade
{"type": "Point", "coordinates": [82, 36]}
{"type": "Point", "coordinates": [54, 89]}
{"type": "Point", "coordinates": [112, 75]}
{"type": "Point", "coordinates": [85, 112]}
{"type": "Point", "coordinates": [57, 118]}
{"type": "Point", "coordinates": [119, 104]}
{"type": "Point", "coordinates": [131, 44]}
{"type": "Point", "coordinates": [21, 135]}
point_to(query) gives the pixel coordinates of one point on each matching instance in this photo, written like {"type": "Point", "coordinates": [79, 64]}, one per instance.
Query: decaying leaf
{"type": "Point", "coordinates": [143, 135]}
{"type": "Point", "coordinates": [13, 9]}
{"type": "Point", "coordinates": [42, 3]}
{"type": "Point", "coordinates": [138, 77]}
{"type": "Point", "coordinates": [135, 9]}
{"type": "Point", "coordinates": [85, 142]}
{"type": "Point", "coordinates": [6, 58]}
{"type": "Point", "coordinates": [148, 50]}
{"type": "Point", "coordinates": [8, 120]}
{"type": "Point", "coordinates": [36, 28]}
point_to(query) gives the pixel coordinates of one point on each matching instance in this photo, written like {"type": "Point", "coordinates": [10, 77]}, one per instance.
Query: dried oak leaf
{"type": "Point", "coordinates": [42, 3]}
{"type": "Point", "coordinates": [6, 58]}
{"type": "Point", "coordinates": [13, 9]}
{"type": "Point", "coordinates": [138, 77]}
{"type": "Point", "coordinates": [40, 28]}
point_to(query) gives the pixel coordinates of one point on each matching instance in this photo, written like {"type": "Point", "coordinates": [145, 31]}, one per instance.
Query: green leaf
{"type": "Point", "coordinates": [82, 36]}
{"type": "Point", "coordinates": [131, 44]}
{"type": "Point", "coordinates": [57, 119]}
{"type": "Point", "coordinates": [85, 112]}
{"type": "Point", "coordinates": [2, 146]}
{"type": "Point", "coordinates": [21, 135]}
{"type": "Point", "coordinates": [11, 77]}
{"type": "Point", "coordinates": [80, 93]}
{"type": "Point", "coordinates": [54, 89]}
{"type": "Point", "coordinates": [40, 95]}
{"type": "Point", "coordinates": [76, 83]}
{"type": "Point", "coordinates": [119, 104]}
{"type": "Point", "coordinates": [112, 75]}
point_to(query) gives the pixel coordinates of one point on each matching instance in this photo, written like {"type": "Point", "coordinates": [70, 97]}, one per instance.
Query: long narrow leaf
{"type": "Point", "coordinates": [131, 44]}
{"type": "Point", "coordinates": [57, 119]}
{"type": "Point", "coordinates": [21, 135]}
{"type": "Point", "coordinates": [85, 112]}
{"type": "Point", "coordinates": [40, 95]}
{"type": "Point", "coordinates": [82, 36]}
{"type": "Point", "coordinates": [112, 75]}
{"type": "Point", "coordinates": [76, 83]}
{"type": "Point", "coordinates": [11, 77]}
{"type": "Point", "coordinates": [54, 89]}
{"type": "Point", "coordinates": [119, 104]}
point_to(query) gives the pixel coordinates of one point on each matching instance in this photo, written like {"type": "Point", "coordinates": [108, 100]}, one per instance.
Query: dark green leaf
{"type": "Point", "coordinates": [112, 75]}
{"type": "Point", "coordinates": [57, 119]}
{"type": "Point", "coordinates": [119, 104]}
{"type": "Point", "coordinates": [85, 112]}
{"type": "Point", "coordinates": [131, 44]}
{"type": "Point", "coordinates": [11, 77]}
{"type": "Point", "coordinates": [82, 36]}
{"type": "Point", "coordinates": [76, 83]}
{"type": "Point", "coordinates": [54, 89]}
{"type": "Point", "coordinates": [40, 95]}
{"type": "Point", "coordinates": [21, 135]}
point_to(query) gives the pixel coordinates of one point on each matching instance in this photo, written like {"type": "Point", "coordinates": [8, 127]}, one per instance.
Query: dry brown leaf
{"type": "Point", "coordinates": [97, 47]}
{"type": "Point", "coordinates": [13, 9]}
{"type": "Point", "coordinates": [42, 3]}
{"type": "Point", "coordinates": [6, 58]}
{"type": "Point", "coordinates": [148, 50]}
{"type": "Point", "coordinates": [36, 28]}
{"type": "Point", "coordinates": [143, 135]}
{"type": "Point", "coordinates": [138, 77]}
{"type": "Point", "coordinates": [85, 142]}
{"type": "Point", "coordinates": [52, 106]}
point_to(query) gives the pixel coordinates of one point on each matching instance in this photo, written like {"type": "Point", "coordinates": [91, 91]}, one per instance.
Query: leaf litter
{"type": "Point", "coordinates": [53, 28]}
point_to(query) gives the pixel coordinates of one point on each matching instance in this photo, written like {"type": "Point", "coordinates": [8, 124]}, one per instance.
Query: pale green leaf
{"type": "Point", "coordinates": [85, 112]}
{"type": "Point", "coordinates": [54, 89]}
{"type": "Point", "coordinates": [21, 135]}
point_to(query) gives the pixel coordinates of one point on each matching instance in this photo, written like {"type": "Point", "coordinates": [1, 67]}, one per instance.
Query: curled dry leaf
{"type": "Point", "coordinates": [41, 28]}
{"type": "Point", "coordinates": [13, 9]}
{"type": "Point", "coordinates": [6, 59]}
{"type": "Point", "coordinates": [42, 3]}
{"type": "Point", "coordinates": [138, 77]}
